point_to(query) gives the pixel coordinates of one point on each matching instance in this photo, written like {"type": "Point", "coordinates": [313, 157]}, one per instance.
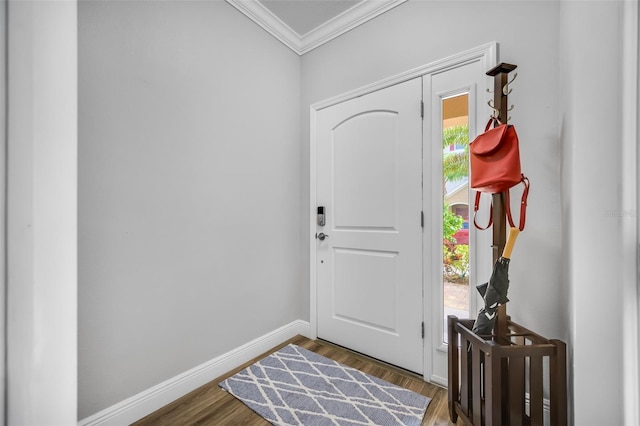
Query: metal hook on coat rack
{"type": "Point", "coordinates": [496, 111]}
{"type": "Point", "coordinates": [510, 109]}
{"type": "Point", "coordinates": [501, 89]}
{"type": "Point", "coordinates": [505, 89]}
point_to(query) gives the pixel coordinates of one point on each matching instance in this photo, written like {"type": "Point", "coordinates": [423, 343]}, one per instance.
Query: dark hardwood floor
{"type": "Point", "coordinates": [210, 405]}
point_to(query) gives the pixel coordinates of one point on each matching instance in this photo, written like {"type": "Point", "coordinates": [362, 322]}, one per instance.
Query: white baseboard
{"type": "Point", "coordinates": [152, 399]}
{"type": "Point", "coordinates": [438, 380]}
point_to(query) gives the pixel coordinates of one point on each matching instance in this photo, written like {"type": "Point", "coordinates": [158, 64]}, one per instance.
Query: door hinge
{"type": "Point", "coordinates": [422, 219]}
{"type": "Point", "coordinates": [422, 109]}
{"type": "Point", "coordinates": [423, 329]}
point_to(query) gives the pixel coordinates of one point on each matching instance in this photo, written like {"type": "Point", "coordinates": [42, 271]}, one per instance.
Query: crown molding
{"type": "Point", "coordinates": [262, 16]}
{"type": "Point", "coordinates": [346, 21]}
{"type": "Point", "coordinates": [301, 44]}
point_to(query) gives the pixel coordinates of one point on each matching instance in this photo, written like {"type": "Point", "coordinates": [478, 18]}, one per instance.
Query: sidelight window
{"type": "Point", "coordinates": [455, 206]}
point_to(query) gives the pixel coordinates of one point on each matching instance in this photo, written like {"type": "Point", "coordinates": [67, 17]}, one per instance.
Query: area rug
{"type": "Point", "coordinates": [295, 386]}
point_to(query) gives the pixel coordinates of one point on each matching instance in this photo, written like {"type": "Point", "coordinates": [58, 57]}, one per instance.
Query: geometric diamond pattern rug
{"type": "Point", "coordinates": [295, 386]}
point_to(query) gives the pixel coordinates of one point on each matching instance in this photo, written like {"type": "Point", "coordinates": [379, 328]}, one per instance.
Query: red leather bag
{"type": "Point", "coordinates": [495, 168]}
{"type": "Point", "coordinates": [495, 158]}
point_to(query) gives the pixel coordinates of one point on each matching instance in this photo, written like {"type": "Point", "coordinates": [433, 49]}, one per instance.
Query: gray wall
{"type": "Point", "coordinates": [189, 210]}
{"type": "Point", "coordinates": [41, 215]}
{"type": "Point", "coordinates": [593, 211]}
{"type": "Point", "coordinates": [420, 32]}
{"type": "Point", "coordinates": [3, 204]}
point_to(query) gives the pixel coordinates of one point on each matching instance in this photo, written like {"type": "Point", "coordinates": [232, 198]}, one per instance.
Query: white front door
{"type": "Point", "coordinates": [369, 256]}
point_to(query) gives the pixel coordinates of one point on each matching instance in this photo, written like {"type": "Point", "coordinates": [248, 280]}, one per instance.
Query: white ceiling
{"type": "Point", "coordinates": [303, 25]}
{"type": "Point", "coordinates": [305, 16]}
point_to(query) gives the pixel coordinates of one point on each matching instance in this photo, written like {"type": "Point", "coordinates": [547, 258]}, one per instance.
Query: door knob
{"type": "Point", "coordinates": [321, 236]}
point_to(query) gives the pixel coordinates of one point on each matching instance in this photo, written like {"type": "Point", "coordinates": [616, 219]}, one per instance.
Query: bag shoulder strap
{"type": "Point", "coordinates": [523, 208]}
{"type": "Point", "coordinates": [476, 206]}
{"type": "Point", "coordinates": [523, 205]}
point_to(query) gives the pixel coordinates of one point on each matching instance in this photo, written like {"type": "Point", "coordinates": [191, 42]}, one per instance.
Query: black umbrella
{"type": "Point", "coordinates": [494, 292]}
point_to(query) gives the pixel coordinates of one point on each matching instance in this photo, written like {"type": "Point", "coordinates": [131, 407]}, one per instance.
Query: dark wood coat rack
{"type": "Point", "coordinates": [500, 381]}
{"type": "Point", "coordinates": [500, 74]}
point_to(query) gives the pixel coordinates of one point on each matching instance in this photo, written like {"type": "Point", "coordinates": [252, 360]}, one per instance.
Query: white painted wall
{"type": "Point", "coordinates": [596, 211]}
{"type": "Point", "coordinates": [189, 209]}
{"type": "Point", "coordinates": [3, 203]}
{"type": "Point", "coordinates": [630, 139]}
{"type": "Point", "coordinates": [419, 32]}
{"type": "Point", "coordinates": [42, 218]}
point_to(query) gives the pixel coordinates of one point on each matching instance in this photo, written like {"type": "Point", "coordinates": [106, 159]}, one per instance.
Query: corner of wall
{"type": "Point", "coordinates": [156, 397]}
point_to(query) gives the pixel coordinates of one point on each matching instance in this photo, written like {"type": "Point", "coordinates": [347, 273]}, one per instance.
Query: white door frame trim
{"type": "Point", "coordinates": [486, 52]}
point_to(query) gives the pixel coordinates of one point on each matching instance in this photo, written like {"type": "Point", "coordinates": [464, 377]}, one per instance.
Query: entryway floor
{"type": "Point", "coordinates": [210, 405]}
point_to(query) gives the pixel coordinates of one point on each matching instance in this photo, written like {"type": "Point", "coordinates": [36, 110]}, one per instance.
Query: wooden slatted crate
{"type": "Point", "coordinates": [500, 381]}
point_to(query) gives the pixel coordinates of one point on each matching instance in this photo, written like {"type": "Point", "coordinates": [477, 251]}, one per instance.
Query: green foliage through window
{"type": "Point", "coordinates": [455, 164]}
{"type": "Point", "coordinates": [451, 223]}
{"type": "Point", "coordinates": [456, 261]}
